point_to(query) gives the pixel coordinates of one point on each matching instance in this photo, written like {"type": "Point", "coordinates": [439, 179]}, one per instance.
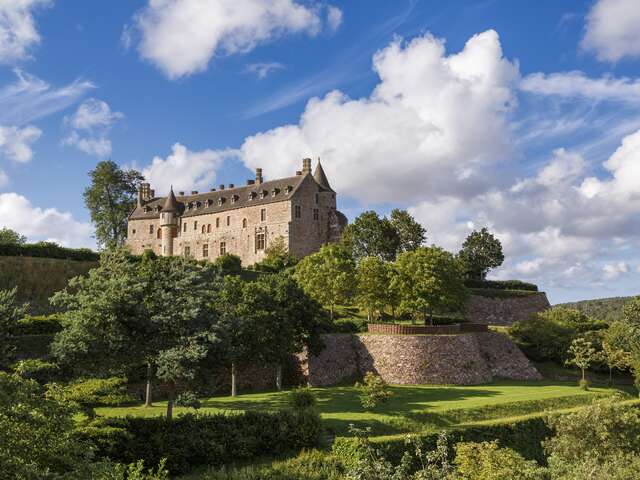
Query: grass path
{"type": "Point", "coordinates": [412, 407]}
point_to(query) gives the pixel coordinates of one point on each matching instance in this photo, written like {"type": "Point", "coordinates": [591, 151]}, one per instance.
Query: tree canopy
{"type": "Point", "coordinates": [10, 312]}
{"type": "Point", "coordinates": [411, 234]}
{"type": "Point", "coordinates": [11, 237]}
{"type": "Point", "coordinates": [371, 236]}
{"type": "Point", "coordinates": [481, 252]}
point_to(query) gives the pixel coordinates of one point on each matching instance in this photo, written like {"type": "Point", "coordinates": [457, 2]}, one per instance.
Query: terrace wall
{"type": "Point", "coordinates": [504, 310]}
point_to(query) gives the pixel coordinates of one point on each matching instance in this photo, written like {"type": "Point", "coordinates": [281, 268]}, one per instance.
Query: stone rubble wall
{"type": "Point", "coordinates": [505, 311]}
{"type": "Point", "coordinates": [464, 359]}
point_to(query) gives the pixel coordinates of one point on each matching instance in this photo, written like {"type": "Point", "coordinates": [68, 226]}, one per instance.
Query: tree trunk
{"type": "Point", "coordinates": [279, 377]}
{"type": "Point", "coordinates": [368, 316]}
{"type": "Point", "coordinates": [233, 379]}
{"type": "Point", "coordinates": [331, 313]}
{"type": "Point", "coordinates": [583, 374]}
{"type": "Point", "coordinates": [148, 401]}
{"type": "Point", "coordinates": [170, 399]}
{"type": "Point", "coordinates": [610, 377]}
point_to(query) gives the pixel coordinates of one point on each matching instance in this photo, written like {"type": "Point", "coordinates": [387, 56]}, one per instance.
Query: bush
{"type": "Point", "coordinates": [229, 264]}
{"type": "Point", "coordinates": [91, 393]}
{"type": "Point", "coordinates": [583, 384]}
{"type": "Point", "coordinates": [37, 325]}
{"type": "Point", "coordinates": [38, 370]}
{"type": "Point", "coordinates": [193, 440]}
{"type": "Point", "coordinates": [301, 398]}
{"type": "Point", "coordinates": [48, 250]}
{"type": "Point", "coordinates": [189, 400]}
{"type": "Point", "coordinates": [374, 391]}
{"type": "Point", "coordinates": [500, 284]}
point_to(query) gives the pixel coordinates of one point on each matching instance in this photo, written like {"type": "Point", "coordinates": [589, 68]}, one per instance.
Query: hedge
{"type": "Point", "coordinates": [500, 284]}
{"type": "Point", "coordinates": [37, 325]}
{"type": "Point", "coordinates": [48, 250]}
{"type": "Point", "coordinates": [193, 440]}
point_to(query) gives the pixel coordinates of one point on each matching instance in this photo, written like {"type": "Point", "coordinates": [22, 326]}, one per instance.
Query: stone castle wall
{"type": "Point", "coordinates": [505, 311]}
{"type": "Point", "coordinates": [464, 359]}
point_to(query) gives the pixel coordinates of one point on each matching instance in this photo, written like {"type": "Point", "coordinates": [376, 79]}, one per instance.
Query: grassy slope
{"type": "Point", "coordinates": [412, 408]}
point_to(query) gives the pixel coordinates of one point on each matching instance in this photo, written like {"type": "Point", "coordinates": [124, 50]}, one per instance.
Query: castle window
{"type": "Point", "coordinates": [204, 228]}
{"type": "Point", "coordinates": [205, 250]}
{"type": "Point", "coordinates": [228, 220]}
{"type": "Point", "coordinates": [159, 234]}
{"type": "Point", "coordinates": [288, 189]}
{"type": "Point", "coordinates": [218, 222]}
{"type": "Point", "coordinates": [263, 214]}
{"type": "Point", "coordinates": [223, 248]}
{"type": "Point", "coordinates": [260, 241]}
{"type": "Point", "coordinates": [198, 204]}
{"type": "Point", "coordinates": [195, 225]}
{"type": "Point", "coordinates": [252, 195]}
{"type": "Point", "coordinates": [297, 211]}
{"type": "Point", "coordinates": [274, 192]}
{"type": "Point", "coordinates": [208, 228]}
{"type": "Point", "coordinates": [234, 198]}
{"type": "Point", "coordinates": [244, 224]}
{"type": "Point", "coordinates": [184, 227]}
{"type": "Point", "coordinates": [220, 201]}
{"type": "Point", "coordinates": [262, 194]}
{"type": "Point", "coordinates": [317, 198]}
{"type": "Point", "coordinates": [151, 229]}
{"type": "Point", "coordinates": [187, 251]}
{"type": "Point", "coordinates": [209, 202]}
{"type": "Point", "coordinates": [316, 214]}
{"type": "Point", "coordinates": [133, 232]}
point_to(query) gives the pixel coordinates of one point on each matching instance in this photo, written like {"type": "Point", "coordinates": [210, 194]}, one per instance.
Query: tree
{"type": "Point", "coordinates": [11, 237]}
{"type": "Point", "coordinates": [110, 199]}
{"type": "Point", "coordinates": [371, 236]}
{"type": "Point", "coordinates": [10, 312]}
{"type": "Point", "coordinates": [126, 314]}
{"type": "Point", "coordinates": [373, 278]}
{"type": "Point", "coordinates": [229, 264]}
{"type": "Point", "coordinates": [487, 461]}
{"type": "Point", "coordinates": [277, 257]}
{"type": "Point", "coordinates": [614, 358]}
{"type": "Point", "coordinates": [481, 252]}
{"type": "Point", "coordinates": [582, 355]}
{"type": "Point", "coordinates": [411, 235]}
{"type": "Point", "coordinates": [631, 312]}
{"type": "Point", "coordinates": [328, 276]}
{"type": "Point", "coordinates": [430, 280]}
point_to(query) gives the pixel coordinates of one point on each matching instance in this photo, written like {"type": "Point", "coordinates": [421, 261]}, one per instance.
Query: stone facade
{"type": "Point", "coordinates": [505, 311]}
{"type": "Point", "coordinates": [464, 359]}
{"type": "Point", "coordinates": [239, 220]}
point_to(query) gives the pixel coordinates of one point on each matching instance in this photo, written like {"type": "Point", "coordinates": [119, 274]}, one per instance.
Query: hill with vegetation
{"type": "Point", "coordinates": [606, 309]}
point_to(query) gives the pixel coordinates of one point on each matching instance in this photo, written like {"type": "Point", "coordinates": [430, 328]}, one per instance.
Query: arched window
{"type": "Point", "coordinates": [244, 223]}
{"type": "Point", "coordinates": [208, 228]}
{"type": "Point", "coordinates": [159, 233]}
{"type": "Point", "coordinates": [204, 228]}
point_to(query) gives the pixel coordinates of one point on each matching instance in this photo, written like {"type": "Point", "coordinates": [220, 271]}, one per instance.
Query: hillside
{"type": "Point", "coordinates": [607, 309]}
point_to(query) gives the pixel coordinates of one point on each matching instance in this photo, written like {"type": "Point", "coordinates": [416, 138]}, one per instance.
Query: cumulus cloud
{"type": "Point", "coordinates": [90, 126]}
{"type": "Point", "coordinates": [611, 271]}
{"type": "Point", "coordinates": [435, 122]}
{"type": "Point", "coordinates": [15, 142]}
{"type": "Point", "coordinates": [263, 69]}
{"type": "Point", "coordinates": [182, 36]}
{"type": "Point", "coordinates": [334, 18]}
{"type": "Point", "coordinates": [185, 169]}
{"type": "Point", "coordinates": [613, 29]}
{"type": "Point", "coordinates": [18, 31]}
{"type": "Point", "coordinates": [48, 224]}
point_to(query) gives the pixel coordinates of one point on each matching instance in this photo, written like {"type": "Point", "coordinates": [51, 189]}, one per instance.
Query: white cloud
{"type": "Point", "coordinates": [18, 32]}
{"type": "Point", "coordinates": [334, 17]}
{"type": "Point", "coordinates": [577, 84]}
{"type": "Point", "coordinates": [185, 169]}
{"type": "Point", "coordinates": [611, 271]}
{"type": "Point", "coordinates": [15, 142]}
{"type": "Point", "coordinates": [613, 29]}
{"type": "Point", "coordinates": [263, 69]}
{"type": "Point", "coordinates": [90, 126]}
{"type": "Point", "coordinates": [182, 36]}
{"type": "Point", "coordinates": [17, 213]}
{"type": "Point", "coordinates": [435, 123]}
{"type": "Point", "coordinates": [30, 98]}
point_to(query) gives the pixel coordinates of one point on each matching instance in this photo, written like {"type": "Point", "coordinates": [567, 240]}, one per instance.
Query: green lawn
{"type": "Point", "coordinates": [412, 407]}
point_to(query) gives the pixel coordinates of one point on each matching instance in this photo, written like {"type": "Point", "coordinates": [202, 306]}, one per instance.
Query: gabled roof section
{"type": "Point", "coordinates": [320, 177]}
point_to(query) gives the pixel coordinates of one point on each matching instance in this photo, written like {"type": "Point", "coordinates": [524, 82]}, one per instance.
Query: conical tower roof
{"type": "Point", "coordinates": [321, 178]}
{"type": "Point", "coordinates": [170, 204]}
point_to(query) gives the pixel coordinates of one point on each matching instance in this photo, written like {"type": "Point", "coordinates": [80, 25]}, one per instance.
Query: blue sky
{"type": "Point", "coordinates": [521, 116]}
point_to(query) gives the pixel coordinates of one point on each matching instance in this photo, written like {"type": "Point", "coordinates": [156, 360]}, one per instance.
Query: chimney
{"type": "Point", "coordinates": [306, 165]}
{"type": "Point", "coordinates": [144, 193]}
{"type": "Point", "coordinates": [258, 176]}
{"type": "Point", "coordinates": [298, 172]}
{"type": "Point", "coordinates": [181, 194]}
{"type": "Point", "coordinates": [194, 192]}
{"type": "Point", "coordinates": [251, 181]}
{"type": "Point", "coordinates": [213, 189]}
{"type": "Point", "coordinates": [152, 194]}
{"type": "Point", "coordinates": [221, 186]}
{"type": "Point", "coordinates": [231, 185]}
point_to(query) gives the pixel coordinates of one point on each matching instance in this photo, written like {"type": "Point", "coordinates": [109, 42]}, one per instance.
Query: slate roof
{"type": "Point", "coordinates": [321, 178]}
{"type": "Point", "coordinates": [232, 198]}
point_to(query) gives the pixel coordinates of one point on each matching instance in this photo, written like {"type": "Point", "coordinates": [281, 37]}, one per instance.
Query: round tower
{"type": "Point", "coordinates": [168, 223]}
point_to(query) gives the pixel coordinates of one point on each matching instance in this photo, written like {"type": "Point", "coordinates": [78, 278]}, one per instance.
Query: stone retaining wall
{"type": "Point", "coordinates": [400, 329]}
{"type": "Point", "coordinates": [465, 359]}
{"type": "Point", "coordinates": [505, 311]}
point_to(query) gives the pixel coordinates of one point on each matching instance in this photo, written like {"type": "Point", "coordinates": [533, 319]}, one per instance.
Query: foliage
{"type": "Point", "coordinates": [48, 250]}
{"type": "Point", "coordinates": [328, 276]}
{"type": "Point", "coordinates": [36, 369]}
{"type": "Point", "coordinates": [500, 284]}
{"type": "Point", "coordinates": [621, 467]}
{"type": "Point", "coordinates": [276, 257]}
{"type": "Point", "coordinates": [374, 391]}
{"type": "Point", "coordinates": [36, 325]}
{"type": "Point", "coordinates": [581, 354]}
{"type": "Point", "coordinates": [481, 252]}
{"type": "Point", "coordinates": [229, 264]}
{"type": "Point", "coordinates": [301, 398]}
{"type": "Point", "coordinates": [430, 281]}
{"type": "Point", "coordinates": [11, 237]}
{"type": "Point", "coordinates": [369, 235]}
{"type": "Point", "coordinates": [376, 286]}
{"type": "Point", "coordinates": [193, 440]}
{"type": "Point", "coordinates": [631, 312]}
{"type": "Point", "coordinates": [10, 313]}
{"type": "Point", "coordinates": [614, 358]}
{"type": "Point", "coordinates": [87, 394]}
{"type": "Point", "coordinates": [108, 470]}
{"type": "Point", "coordinates": [487, 461]}
{"type": "Point", "coordinates": [606, 309]}
{"type": "Point", "coordinates": [188, 399]}
{"type": "Point", "coordinates": [110, 199]}
{"type": "Point", "coordinates": [411, 235]}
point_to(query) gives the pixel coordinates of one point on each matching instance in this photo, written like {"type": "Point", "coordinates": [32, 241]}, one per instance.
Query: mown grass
{"type": "Point", "coordinates": [412, 408]}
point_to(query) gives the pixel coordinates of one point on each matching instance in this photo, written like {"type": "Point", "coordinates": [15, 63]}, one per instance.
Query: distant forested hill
{"type": "Point", "coordinates": [607, 309]}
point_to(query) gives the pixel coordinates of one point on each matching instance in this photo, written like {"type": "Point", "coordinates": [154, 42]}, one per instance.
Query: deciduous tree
{"type": "Point", "coordinates": [374, 278]}
{"type": "Point", "coordinates": [411, 235]}
{"type": "Point", "coordinates": [11, 237]}
{"type": "Point", "coordinates": [371, 236]}
{"type": "Point", "coordinates": [10, 312]}
{"type": "Point", "coordinates": [581, 354]}
{"type": "Point", "coordinates": [481, 252]}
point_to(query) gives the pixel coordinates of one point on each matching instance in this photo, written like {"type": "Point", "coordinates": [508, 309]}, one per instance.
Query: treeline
{"type": "Point", "coordinates": [606, 309]}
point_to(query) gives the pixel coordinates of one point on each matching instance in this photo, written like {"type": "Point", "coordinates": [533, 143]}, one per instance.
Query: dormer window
{"type": "Point", "coordinates": [220, 201]}
{"type": "Point", "coordinates": [198, 204]}
{"type": "Point", "coordinates": [209, 202]}
{"type": "Point", "coordinates": [146, 209]}
{"type": "Point", "coordinates": [234, 198]}
{"type": "Point", "coordinates": [274, 192]}
{"type": "Point", "coordinates": [158, 208]}
{"type": "Point", "coordinates": [263, 193]}
{"type": "Point", "coordinates": [252, 195]}
{"type": "Point", "coordinates": [288, 189]}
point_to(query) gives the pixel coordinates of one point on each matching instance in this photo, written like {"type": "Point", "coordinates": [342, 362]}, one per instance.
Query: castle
{"type": "Point", "coordinates": [239, 220]}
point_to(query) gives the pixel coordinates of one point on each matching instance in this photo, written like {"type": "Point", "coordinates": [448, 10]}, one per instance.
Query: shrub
{"type": "Point", "coordinates": [301, 398]}
{"type": "Point", "coordinates": [583, 384]}
{"type": "Point", "coordinates": [91, 393]}
{"type": "Point", "coordinates": [38, 370]}
{"type": "Point", "coordinates": [38, 325]}
{"type": "Point", "coordinates": [374, 391]}
{"type": "Point", "coordinates": [188, 399]}
{"type": "Point", "coordinates": [229, 264]}
{"type": "Point", "coordinates": [500, 284]}
{"type": "Point", "coordinates": [486, 461]}
{"type": "Point", "coordinates": [48, 250]}
{"type": "Point", "coordinates": [193, 440]}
